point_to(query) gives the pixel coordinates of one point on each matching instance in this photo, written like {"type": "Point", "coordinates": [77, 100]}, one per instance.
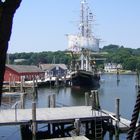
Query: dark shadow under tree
{"type": "Point", "coordinates": [7, 11]}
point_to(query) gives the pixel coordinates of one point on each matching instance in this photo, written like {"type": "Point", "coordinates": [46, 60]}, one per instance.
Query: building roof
{"type": "Point", "coordinates": [25, 68]}
{"type": "Point", "coordinates": [51, 66]}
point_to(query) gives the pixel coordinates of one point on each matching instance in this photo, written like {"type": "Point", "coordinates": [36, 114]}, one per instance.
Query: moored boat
{"type": "Point", "coordinates": [84, 72]}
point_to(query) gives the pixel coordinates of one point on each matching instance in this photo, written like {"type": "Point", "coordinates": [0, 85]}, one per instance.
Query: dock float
{"type": "Point", "coordinates": [53, 115]}
{"type": "Point", "coordinates": [61, 121]}
{"type": "Point", "coordinates": [49, 115]}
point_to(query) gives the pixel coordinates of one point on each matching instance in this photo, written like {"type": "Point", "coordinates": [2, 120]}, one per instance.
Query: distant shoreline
{"type": "Point", "coordinates": [121, 73]}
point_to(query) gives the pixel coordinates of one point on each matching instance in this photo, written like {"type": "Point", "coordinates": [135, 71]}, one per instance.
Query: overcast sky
{"type": "Point", "coordinates": [42, 25]}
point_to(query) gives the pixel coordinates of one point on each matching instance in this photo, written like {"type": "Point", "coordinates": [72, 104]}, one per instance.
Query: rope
{"type": "Point", "coordinates": [137, 134]}
{"type": "Point", "coordinates": [134, 119]}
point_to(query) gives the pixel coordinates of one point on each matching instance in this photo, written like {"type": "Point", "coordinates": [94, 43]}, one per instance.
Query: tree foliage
{"type": "Point", "coordinates": [128, 57]}
{"type": "Point", "coordinates": [41, 57]}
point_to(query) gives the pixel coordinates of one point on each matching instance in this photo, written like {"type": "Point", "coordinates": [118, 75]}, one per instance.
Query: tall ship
{"type": "Point", "coordinates": [82, 46]}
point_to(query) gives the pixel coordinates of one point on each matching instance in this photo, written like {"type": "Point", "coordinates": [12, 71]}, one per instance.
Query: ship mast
{"type": "Point", "coordinates": [85, 34]}
{"type": "Point", "coordinates": [82, 18]}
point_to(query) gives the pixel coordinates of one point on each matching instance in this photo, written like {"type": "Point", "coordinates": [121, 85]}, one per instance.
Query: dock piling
{"type": "Point", "coordinates": [10, 83]}
{"type": "Point", "coordinates": [118, 118]}
{"type": "Point", "coordinates": [34, 125]}
{"type": "Point", "coordinates": [21, 84]}
{"type": "Point", "coordinates": [77, 126]}
{"type": "Point", "coordinates": [86, 99]}
{"type": "Point", "coordinates": [51, 101]}
{"type": "Point", "coordinates": [22, 100]}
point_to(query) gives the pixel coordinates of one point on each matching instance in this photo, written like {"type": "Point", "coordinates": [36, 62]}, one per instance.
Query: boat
{"type": "Point", "coordinates": [82, 45]}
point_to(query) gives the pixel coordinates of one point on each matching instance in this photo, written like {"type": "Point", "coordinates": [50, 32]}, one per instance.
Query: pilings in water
{"type": "Point", "coordinates": [29, 131]}
{"type": "Point", "coordinates": [34, 125]}
{"type": "Point", "coordinates": [95, 127]}
{"type": "Point", "coordinates": [52, 101]}
{"type": "Point", "coordinates": [86, 99]}
{"type": "Point", "coordinates": [117, 106]}
{"type": "Point", "coordinates": [22, 100]}
{"type": "Point", "coordinates": [92, 99]}
{"type": "Point", "coordinates": [118, 76]}
{"type": "Point", "coordinates": [35, 89]}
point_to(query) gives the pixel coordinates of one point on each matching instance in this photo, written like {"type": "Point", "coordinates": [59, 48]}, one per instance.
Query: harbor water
{"type": "Point", "coordinates": [111, 87]}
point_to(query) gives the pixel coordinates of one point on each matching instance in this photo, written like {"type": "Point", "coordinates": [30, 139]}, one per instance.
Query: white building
{"type": "Point", "coordinates": [112, 67]}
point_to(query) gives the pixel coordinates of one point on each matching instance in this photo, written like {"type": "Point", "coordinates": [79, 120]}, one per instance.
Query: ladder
{"type": "Point", "coordinates": [98, 127]}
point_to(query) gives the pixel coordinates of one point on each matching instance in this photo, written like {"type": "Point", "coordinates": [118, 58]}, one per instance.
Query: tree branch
{"type": "Point", "coordinates": [7, 11]}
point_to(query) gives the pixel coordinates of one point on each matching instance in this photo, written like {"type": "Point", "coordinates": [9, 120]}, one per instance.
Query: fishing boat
{"type": "Point", "coordinates": [82, 46]}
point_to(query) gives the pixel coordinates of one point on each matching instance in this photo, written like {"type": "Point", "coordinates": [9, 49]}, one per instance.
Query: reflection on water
{"type": "Point", "coordinates": [109, 90]}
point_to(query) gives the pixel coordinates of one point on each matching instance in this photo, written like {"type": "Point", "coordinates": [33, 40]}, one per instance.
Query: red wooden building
{"type": "Point", "coordinates": [27, 72]}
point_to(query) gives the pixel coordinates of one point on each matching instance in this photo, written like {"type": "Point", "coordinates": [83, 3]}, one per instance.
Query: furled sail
{"type": "Point", "coordinates": [76, 43]}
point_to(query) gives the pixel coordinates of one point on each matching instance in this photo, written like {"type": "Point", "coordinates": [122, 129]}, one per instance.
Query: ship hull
{"type": "Point", "coordinates": [83, 78]}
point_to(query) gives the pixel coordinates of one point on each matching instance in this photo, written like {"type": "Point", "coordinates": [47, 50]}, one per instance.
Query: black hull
{"type": "Point", "coordinates": [85, 79]}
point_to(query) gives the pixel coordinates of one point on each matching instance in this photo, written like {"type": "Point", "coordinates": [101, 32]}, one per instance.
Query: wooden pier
{"type": "Point", "coordinates": [61, 121]}
{"type": "Point", "coordinates": [50, 115]}
{"type": "Point", "coordinates": [60, 117]}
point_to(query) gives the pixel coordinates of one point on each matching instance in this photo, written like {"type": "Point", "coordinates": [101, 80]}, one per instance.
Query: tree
{"type": "Point", "coordinates": [7, 11]}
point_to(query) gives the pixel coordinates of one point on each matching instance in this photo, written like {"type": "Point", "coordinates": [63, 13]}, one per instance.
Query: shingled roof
{"type": "Point", "coordinates": [25, 68]}
{"type": "Point", "coordinates": [51, 66]}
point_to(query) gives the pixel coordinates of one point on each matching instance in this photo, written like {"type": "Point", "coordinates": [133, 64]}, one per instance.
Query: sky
{"type": "Point", "coordinates": [42, 25]}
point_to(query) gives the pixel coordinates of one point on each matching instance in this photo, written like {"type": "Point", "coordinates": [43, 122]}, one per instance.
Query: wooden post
{"type": "Point", "coordinates": [34, 125]}
{"type": "Point", "coordinates": [10, 83]}
{"type": "Point", "coordinates": [57, 81]}
{"type": "Point", "coordinates": [110, 136]}
{"type": "Point", "coordinates": [86, 128]}
{"type": "Point", "coordinates": [110, 132]}
{"type": "Point", "coordinates": [118, 77]}
{"type": "Point", "coordinates": [49, 98]}
{"type": "Point", "coordinates": [50, 81]}
{"type": "Point", "coordinates": [65, 81]}
{"type": "Point", "coordinates": [118, 109]}
{"type": "Point", "coordinates": [25, 132]}
{"type": "Point", "coordinates": [86, 99]}
{"type": "Point", "coordinates": [118, 119]}
{"type": "Point", "coordinates": [34, 89]}
{"type": "Point", "coordinates": [93, 101]}
{"type": "Point", "coordinates": [22, 100]}
{"type": "Point", "coordinates": [51, 101]}
{"type": "Point", "coordinates": [14, 81]}
{"type": "Point", "coordinates": [97, 100]}
{"type": "Point", "coordinates": [21, 84]}
{"type": "Point", "coordinates": [77, 126]}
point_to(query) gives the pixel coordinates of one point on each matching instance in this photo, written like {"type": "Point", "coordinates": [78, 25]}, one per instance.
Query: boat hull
{"type": "Point", "coordinates": [83, 78]}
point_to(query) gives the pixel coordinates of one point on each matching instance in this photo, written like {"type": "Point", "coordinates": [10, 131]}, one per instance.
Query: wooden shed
{"type": "Point", "coordinates": [26, 72]}
{"type": "Point", "coordinates": [54, 70]}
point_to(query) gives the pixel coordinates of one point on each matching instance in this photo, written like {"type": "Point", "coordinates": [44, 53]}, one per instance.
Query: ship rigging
{"type": "Point", "coordinates": [84, 43]}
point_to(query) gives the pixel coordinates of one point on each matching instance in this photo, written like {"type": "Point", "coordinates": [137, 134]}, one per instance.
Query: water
{"type": "Point", "coordinates": [109, 90]}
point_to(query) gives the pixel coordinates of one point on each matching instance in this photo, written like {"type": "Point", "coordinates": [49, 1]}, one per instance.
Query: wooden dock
{"type": "Point", "coordinates": [63, 120]}
{"type": "Point", "coordinates": [53, 115]}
